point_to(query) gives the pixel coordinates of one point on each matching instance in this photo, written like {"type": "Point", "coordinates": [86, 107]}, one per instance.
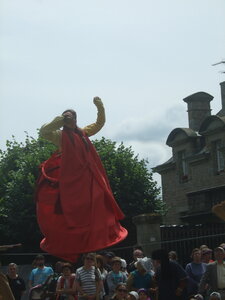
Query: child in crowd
{"type": "Point", "coordinates": [133, 295]}
{"type": "Point", "coordinates": [143, 294]}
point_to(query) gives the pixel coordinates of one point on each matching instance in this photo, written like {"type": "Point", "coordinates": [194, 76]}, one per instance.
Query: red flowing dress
{"type": "Point", "coordinates": [76, 209]}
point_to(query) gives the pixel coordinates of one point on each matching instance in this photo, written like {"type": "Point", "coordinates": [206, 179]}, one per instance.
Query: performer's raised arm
{"type": "Point", "coordinates": [95, 127]}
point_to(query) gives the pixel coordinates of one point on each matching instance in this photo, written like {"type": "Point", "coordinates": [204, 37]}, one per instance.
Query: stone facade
{"type": "Point", "coordinates": [193, 179]}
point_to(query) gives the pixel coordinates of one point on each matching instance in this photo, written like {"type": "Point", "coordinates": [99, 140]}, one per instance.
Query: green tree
{"type": "Point", "coordinates": [130, 179]}
{"type": "Point", "coordinates": [18, 172]}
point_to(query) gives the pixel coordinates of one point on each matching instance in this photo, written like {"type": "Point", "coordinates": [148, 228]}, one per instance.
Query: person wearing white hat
{"type": "Point", "coordinates": [214, 296]}
{"type": "Point", "coordinates": [142, 276]}
{"type": "Point", "coordinates": [133, 295]}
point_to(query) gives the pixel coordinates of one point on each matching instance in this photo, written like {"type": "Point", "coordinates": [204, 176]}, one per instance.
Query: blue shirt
{"type": "Point", "coordinates": [39, 276]}
{"type": "Point", "coordinates": [141, 280]}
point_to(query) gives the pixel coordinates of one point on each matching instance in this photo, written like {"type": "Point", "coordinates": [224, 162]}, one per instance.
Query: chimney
{"type": "Point", "coordinates": [198, 108]}
{"type": "Point", "coordinates": [222, 87]}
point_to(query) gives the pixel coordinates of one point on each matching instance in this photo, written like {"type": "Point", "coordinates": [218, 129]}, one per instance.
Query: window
{"type": "Point", "coordinates": [182, 163]}
{"type": "Point", "coordinates": [219, 156]}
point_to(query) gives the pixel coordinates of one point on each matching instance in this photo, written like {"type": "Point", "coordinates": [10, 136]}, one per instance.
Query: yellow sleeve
{"type": "Point", "coordinates": [51, 131]}
{"type": "Point", "coordinates": [95, 127]}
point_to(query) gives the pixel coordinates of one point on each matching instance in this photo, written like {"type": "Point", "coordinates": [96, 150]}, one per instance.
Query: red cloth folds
{"type": "Point", "coordinates": [76, 210]}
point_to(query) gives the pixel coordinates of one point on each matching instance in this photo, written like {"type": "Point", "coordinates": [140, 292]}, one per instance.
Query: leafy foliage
{"type": "Point", "coordinates": [18, 172]}
{"type": "Point", "coordinates": [130, 179]}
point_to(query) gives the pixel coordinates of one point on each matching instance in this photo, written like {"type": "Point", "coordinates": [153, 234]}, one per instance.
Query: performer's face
{"type": "Point", "coordinates": [70, 118]}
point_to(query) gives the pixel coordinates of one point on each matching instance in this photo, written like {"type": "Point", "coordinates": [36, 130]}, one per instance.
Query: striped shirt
{"type": "Point", "coordinates": [87, 278]}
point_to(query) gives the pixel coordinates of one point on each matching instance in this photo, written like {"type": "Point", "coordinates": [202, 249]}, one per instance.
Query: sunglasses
{"type": "Point", "coordinates": [89, 258]}
{"type": "Point", "coordinates": [122, 290]}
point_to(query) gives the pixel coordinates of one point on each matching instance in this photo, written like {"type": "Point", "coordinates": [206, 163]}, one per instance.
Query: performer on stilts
{"type": "Point", "coordinates": [76, 210]}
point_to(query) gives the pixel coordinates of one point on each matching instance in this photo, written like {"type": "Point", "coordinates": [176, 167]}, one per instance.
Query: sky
{"type": "Point", "coordinates": [142, 58]}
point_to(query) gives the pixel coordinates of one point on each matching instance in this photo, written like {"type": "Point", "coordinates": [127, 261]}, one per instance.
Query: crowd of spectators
{"type": "Point", "coordinates": [105, 276]}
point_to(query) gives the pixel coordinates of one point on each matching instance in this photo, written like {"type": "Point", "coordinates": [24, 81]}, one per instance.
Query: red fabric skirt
{"type": "Point", "coordinates": [76, 210]}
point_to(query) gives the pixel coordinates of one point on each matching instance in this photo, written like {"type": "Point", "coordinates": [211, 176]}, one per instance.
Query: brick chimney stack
{"type": "Point", "coordinates": [198, 108]}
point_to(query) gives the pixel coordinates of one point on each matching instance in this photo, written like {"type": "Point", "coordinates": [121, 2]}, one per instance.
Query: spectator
{"type": "Point", "coordinates": [38, 276]}
{"type": "Point", "coordinates": [103, 272]}
{"type": "Point", "coordinates": [16, 282]}
{"type": "Point", "coordinates": [88, 278]}
{"type": "Point", "coordinates": [107, 259]}
{"type": "Point", "coordinates": [115, 276]}
{"type": "Point", "coordinates": [138, 253]}
{"type": "Point", "coordinates": [206, 256]}
{"type": "Point", "coordinates": [173, 256]}
{"type": "Point", "coordinates": [49, 287]}
{"type": "Point", "coordinates": [141, 277]}
{"type": "Point", "coordinates": [121, 292]}
{"type": "Point", "coordinates": [195, 270]}
{"type": "Point", "coordinates": [213, 279]}
{"type": "Point", "coordinates": [5, 290]}
{"type": "Point", "coordinates": [66, 288]}
{"type": "Point", "coordinates": [133, 295]}
{"type": "Point", "coordinates": [124, 266]}
{"type": "Point", "coordinates": [222, 245]}
{"type": "Point", "coordinates": [143, 294]}
{"type": "Point", "coordinates": [170, 277]}
{"type": "Point", "coordinates": [196, 297]}
{"type": "Point", "coordinates": [214, 296]}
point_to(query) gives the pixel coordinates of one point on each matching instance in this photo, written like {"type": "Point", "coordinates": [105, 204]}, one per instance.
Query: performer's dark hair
{"type": "Point", "coordinates": [72, 112]}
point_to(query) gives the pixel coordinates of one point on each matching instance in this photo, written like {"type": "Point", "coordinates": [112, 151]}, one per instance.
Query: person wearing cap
{"type": "Point", "coordinates": [214, 277]}
{"type": "Point", "coordinates": [107, 259]}
{"type": "Point", "coordinates": [38, 276]}
{"type": "Point", "coordinates": [133, 295]}
{"type": "Point", "coordinates": [115, 276]}
{"type": "Point", "coordinates": [142, 276]}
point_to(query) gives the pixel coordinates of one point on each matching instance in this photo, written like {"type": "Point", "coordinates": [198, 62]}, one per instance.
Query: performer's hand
{"type": "Point", "coordinates": [97, 101]}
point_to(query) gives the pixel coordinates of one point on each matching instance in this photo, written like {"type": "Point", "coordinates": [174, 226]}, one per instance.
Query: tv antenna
{"type": "Point", "coordinates": [219, 63]}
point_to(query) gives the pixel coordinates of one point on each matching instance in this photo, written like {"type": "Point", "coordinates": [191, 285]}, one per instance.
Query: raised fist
{"type": "Point", "coordinates": [97, 101]}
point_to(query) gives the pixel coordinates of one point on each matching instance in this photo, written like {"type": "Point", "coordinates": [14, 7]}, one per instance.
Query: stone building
{"type": "Point", "coordinates": [193, 179]}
